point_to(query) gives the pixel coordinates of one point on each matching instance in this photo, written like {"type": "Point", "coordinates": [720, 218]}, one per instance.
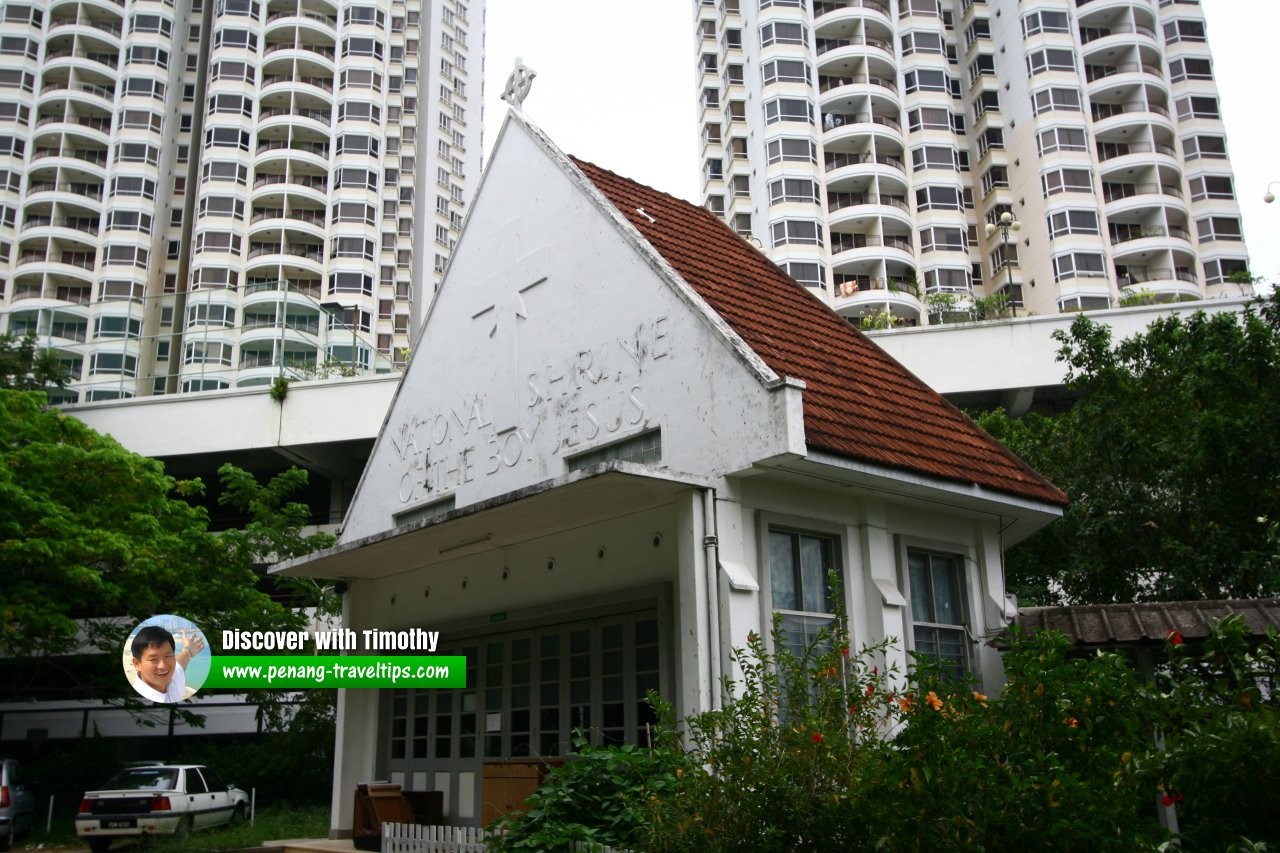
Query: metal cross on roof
{"type": "Point", "coordinates": [518, 84]}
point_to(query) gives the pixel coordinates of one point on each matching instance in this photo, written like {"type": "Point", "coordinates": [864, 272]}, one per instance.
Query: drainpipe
{"type": "Point", "coordinates": [194, 160]}
{"type": "Point", "coordinates": [710, 545]}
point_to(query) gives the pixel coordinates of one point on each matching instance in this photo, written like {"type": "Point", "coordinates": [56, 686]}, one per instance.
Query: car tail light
{"type": "Point", "coordinates": [4, 796]}
{"type": "Point", "coordinates": [160, 804]}
{"type": "Point", "coordinates": [86, 806]}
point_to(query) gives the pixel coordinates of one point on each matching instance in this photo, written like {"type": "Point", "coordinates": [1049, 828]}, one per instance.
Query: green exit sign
{"type": "Point", "coordinates": [498, 617]}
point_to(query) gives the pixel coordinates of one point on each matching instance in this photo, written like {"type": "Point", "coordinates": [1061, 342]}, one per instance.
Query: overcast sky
{"type": "Point", "coordinates": [616, 86]}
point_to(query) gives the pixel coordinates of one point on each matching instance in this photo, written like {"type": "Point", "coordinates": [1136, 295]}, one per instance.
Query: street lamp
{"type": "Point", "coordinates": [335, 310]}
{"type": "Point", "coordinates": [1006, 224]}
{"type": "Point", "coordinates": [1270, 196]}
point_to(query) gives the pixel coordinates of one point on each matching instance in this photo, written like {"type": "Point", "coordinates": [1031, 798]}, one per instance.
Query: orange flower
{"type": "Point", "coordinates": [934, 702]}
{"type": "Point", "coordinates": [1072, 722]}
{"type": "Point", "coordinates": [905, 703]}
{"type": "Point", "coordinates": [981, 698]}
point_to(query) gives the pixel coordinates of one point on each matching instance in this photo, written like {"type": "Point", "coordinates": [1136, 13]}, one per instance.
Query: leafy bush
{"type": "Point", "coordinates": [597, 796]}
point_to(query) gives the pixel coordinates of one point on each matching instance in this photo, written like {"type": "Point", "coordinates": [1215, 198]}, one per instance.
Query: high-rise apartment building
{"type": "Point", "coordinates": [867, 145]}
{"type": "Point", "coordinates": [205, 194]}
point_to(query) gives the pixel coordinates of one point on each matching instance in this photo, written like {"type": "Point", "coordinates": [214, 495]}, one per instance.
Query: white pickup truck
{"type": "Point", "coordinates": [158, 799]}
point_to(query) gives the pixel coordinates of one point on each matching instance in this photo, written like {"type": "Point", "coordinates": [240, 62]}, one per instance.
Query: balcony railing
{"type": "Point", "coordinates": [839, 161]}
{"type": "Point", "coordinates": [825, 6]}
{"type": "Point", "coordinates": [1100, 72]}
{"type": "Point", "coordinates": [320, 148]}
{"type": "Point", "coordinates": [826, 83]}
{"type": "Point", "coordinates": [98, 158]}
{"type": "Point", "coordinates": [315, 182]}
{"type": "Point", "coordinates": [310, 252]}
{"type": "Point", "coordinates": [1088, 34]}
{"type": "Point", "coordinates": [63, 85]}
{"type": "Point", "coordinates": [322, 116]}
{"type": "Point", "coordinates": [845, 242]}
{"type": "Point", "coordinates": [849, 285]}
{"type": "Point", "coordinates": [827, 45]}
{"type": "Point", "coordinates": [263, 213]}
{"type": "Point", "coordinates": [102, 124]}
{"type": "Point", "coordinates": [1128, 235]}
{"type": "Point", "coordinates": [839, 201]}
{"type": "Point", "coordinates": [93, 191]}
{"type": "Point", "coordinates": [318, 82]}
{"type": "Point", "coordinates": [307, 288]}
{"type": "Point", "coordinates": [830, 121]}
{"type": "Point", "coordinates": [326, 52]}
{"type": "Point", "coordinates": [1112, 150]}
{"type": "Point", "coordinates": [1117, 191]}
{"type": "Point", "coordinates": [1103, 110]}
{"type": "Point", "coordinates": [1141, 275]}
{"type": "Point", "coordinates": [331, 20]}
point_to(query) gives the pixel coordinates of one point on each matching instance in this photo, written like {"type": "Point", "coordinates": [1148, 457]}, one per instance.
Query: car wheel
{"type": "Point", "coordinates": [6, 841]}
{"type": "Point", "coordinates": [183, 831]}
{"type": "Point", "coordinates": [100, 845]}
{"type": "Point", "coordinates": [238, 814]}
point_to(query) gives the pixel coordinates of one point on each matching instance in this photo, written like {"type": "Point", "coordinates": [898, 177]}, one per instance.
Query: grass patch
{"type": "Point", "coordinates": [272, 823]}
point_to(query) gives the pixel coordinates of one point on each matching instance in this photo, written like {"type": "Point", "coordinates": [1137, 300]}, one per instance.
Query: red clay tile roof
{"type": "Point", "coordinates": [859, 402]}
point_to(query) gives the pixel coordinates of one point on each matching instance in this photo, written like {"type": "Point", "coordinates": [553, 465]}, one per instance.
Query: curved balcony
{"type": "Point", "coordinates": [301, 51]}
{"type": "Point", "coordinates": [101, 97]}
{"type": "Point", "coordinates": [89, 161]}
{"type": "Point", "coordinates": [86, 194]}
{"type": "Point", "coordinates": [308, 257]}
{"type": "Point", "coordinates": [103, 62]}
{"type": "Point", "coordinates": [852, 248]}
{"type": "Point", "coordinates": [837, 91]}
{"type": "Point", "coordinates": [1115, 157]}
{"type": "Point", "coordinates": [836, 52]}
{"type": "Point", "coordinates": [851, 128]}
{"type": "Point", "coordinates": [275, 288]}
{"type": "Point", "coordinates": [282, 151]}
{"type": "Point", "coordinates": [275, 117]}
{"type": "Point", "coordinates": [85, 128]}
{"type": "Point", "coordinates": [858, 295]}
{"type": "Point", "coordinates": [272, 219]}
{"type": "Point", "coordinates": [1115, 118]}
{"type": "Point", "coordinates": [848, 208]}
{"type": "Point", "coordinates": [1103, 76]}
{"type": "Point", "coordinates": [829, 12]}
{"type": "Point", "coordinates": [1097, 40]}
{"type": "Point", "coordinates": [1131, 242]}
{"type": "Point", "coordinates": [294, 20]}
{"type": "Point", "coordinates": [320, 87]}
{"type": "Point", "coordinates": [840, 167]}
{"type": "Point", "coordinates": [1123, 198]}
{"type": "Point", "coordinates": [269, 187]}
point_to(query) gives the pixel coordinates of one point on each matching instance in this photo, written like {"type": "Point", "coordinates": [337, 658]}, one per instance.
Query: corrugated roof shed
{"type": "Point", "coordinates": [859, 402]}
{"type": "Point", "coordinates": [1146, 622]}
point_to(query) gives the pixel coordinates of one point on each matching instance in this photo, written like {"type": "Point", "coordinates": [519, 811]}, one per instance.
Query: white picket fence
{"type": "Point", "coordinates": [415, 838]}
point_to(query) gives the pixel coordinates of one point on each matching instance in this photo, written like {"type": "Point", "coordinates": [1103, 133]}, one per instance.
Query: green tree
{"type": "Point", "coordinates": [91, 532]}
{"type": "Point", "coordinates": [1171, 457]}
{"type": "Point", "coordinates": [24, 367]}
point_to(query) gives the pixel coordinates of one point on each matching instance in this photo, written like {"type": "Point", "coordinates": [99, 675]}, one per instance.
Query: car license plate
{"type": "Point", "coordinates": [119, 824]}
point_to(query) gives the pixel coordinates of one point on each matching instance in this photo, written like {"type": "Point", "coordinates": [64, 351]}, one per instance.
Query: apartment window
{"type": "Point", "coordinates": [349, 177]}
{"type": "Point", "coordinates": [983, 64]}
{"type": "Point", "coordinates": [940, 239]}
{"type": "Point", "coordinates": [150, 24]}
{"type": "Point", "coordinates": [350, 211]}
{"type": "Point", "coordinates": [1176, 31]}
{"type": "Point", "coordinates": [211, 314]}
{"type": "Point", "coordinates": [1190, 69]}
{"type": "Point", "coordinates": [18, 46]}
{"type": "Point", "coordinates": [215, 277]}
{"type": "Point", "coordinates": [1050, 59]}
{"type": "Point", "coordinates": [234, 104]}
{"type": "Point", "coordinates": [987, 100]}
{"type": "Point", "coordinates": [355, 143]}
{"type": "Point", "coordinates": [1067, 180]}
{"type": "Point", "coordinates": [921, 43]}
{"type": "Point", "coordinates": [1194, 147]}
{"type": "Point", "coordinates": [1221, 270]}
{"type": "Point", "coordinates": [806, 273]}
{"type": "Point", "coordinates": [925, 80]}
{"type": "Point", "coordinates": [1064, 222]}
{"type": "Point", "coordinates": [143, 87]}
{"type": "Point", "coordinates": [1219, 228]}
{"type": "Point", "coordinates": [23, 15]}
{"type": "Point", "coordinates": [805, 232]}
{"type": "Point", "coordinates": [1079, 265]}
{"type": "Point", "coordinates": [791, 150]}
{"type": "Point", "coordinates": [1035, 23]}
{"type": "Point", "coordinates": [226, 137]}
{"type": "Point", "coordinates": [734, 74]}
{"type": "Point", "coordinates": [235, 71]}
{"type": "Point", "coordinates": [996, 176]}
{"type": "Point", "coordinates": [129, 220]}
{"type": "Point", "coordinates": [929, 8]}
{"type": "Point", "coordinates": [222, 205]}
{"type": "Point", "coordinates": [710, 62]}
{"type": "Point", "coordinates": [241, 39]}
{"type": "Point", "coordinates": [113, 363]}
{"type": "Point", "coordinates": [1211, 186]}
{"type": "Point", "coordinates": [207, 352]}
{"type": "Point", "coordinates": [353, 46]}
{"type": "Point", "coordinates": [361, 78]}
{"type": "Point", "coordinates": [939, 617]}
{"type": "Point", "coordinates": [12, 78]}
{"type": "Point", "coordinates": [351, 247]}
{"type": "Point", "coordinates": [793, 189]}
{"type": "Point", "coordinates": [742, 186]}
{"type": "Point", "coordinates": [939, 157]}
{"type": "Point", "coordinates": [147, 55]}
{"type": "Point", "coordinates": [11, 146]}
{"type": "Point", "coordinates": [1061, 139]}
{"type": "Point", "coordinates": [1198, 107]}
{"type": "Point", "coordinates": [788, 109]}
{"type": "Point", "coordinates": [784, 71]}
{"type": "Point", "coordinates": [992, 137]}
{"type": "Point", "coordinates": [117, 327]}
{"type": "Point", "coordinates": [126, 185]}
{"type": "Point", "coordinates": [938, 198]}
{"type": "Point", "coordinates": [351, 282]}
{"type": "Point", "coordinates": [948, 280]}
{"type": "Point", "coordinates": [223, 170]}
{"type": "Point", "coordinates": [1048, 100]}
{"type": "Point", "coordinates": [782, 33]}
{"type": "Point", "coordinates": [364, 15]}
{"type": "Point", "coordinates": [711, 98]}
{"type": "Point", "coordinates": [218, 241]}
{"type": "Point", "coordinates": [800, 566]}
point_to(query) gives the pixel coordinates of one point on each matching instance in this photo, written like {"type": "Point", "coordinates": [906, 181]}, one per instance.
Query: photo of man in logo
{"type": "Point", "coordinates": [159, 661]}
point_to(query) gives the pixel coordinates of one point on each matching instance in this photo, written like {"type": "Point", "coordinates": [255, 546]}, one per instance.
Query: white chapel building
{"type": "Point", "coordinates": [613, 455]}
